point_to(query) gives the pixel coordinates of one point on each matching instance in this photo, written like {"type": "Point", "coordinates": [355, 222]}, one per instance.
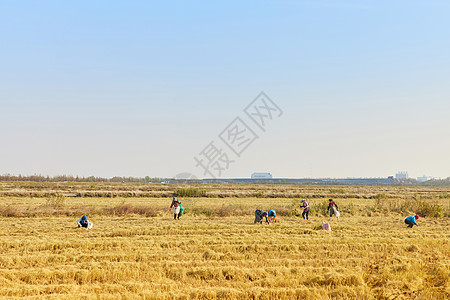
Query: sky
{"type": "Point", "coordinates": [144, 88]}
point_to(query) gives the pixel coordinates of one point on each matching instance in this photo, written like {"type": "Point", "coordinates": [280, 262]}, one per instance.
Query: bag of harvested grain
{"type": "Point", "coordinates": [181, 210]}
{"type": "Point", "coordinates": [326, 226]}
{"type": "Point", "coordinates": [336, 212]}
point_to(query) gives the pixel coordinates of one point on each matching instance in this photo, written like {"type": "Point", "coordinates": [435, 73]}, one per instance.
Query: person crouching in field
{"type": "Point", "coordinates": [333, 209]}
{"type": "Point", "coordinates": [272, 216]}
{"type": "Point", "coordinates": [259, 215]}
{"type": "Point", "coordinates": [306, 208]}
{"type": "Point", "coordinates": [411, 221]}
{"type": "Point", "coordinates": [84, 222]}
{"type": "Point", "coordinates": [176, 204]}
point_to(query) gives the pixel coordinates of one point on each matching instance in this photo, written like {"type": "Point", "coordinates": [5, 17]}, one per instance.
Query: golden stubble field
{"type": "Point", "coordinates": [216, 252]}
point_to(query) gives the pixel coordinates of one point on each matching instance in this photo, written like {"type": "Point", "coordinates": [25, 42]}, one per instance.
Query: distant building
{"type": "Point", "coordinates": [424, 178]}
{"type": "Point", "coordinates": [261, 176]}
{"type": "Point", "coordinates": [401, 175]}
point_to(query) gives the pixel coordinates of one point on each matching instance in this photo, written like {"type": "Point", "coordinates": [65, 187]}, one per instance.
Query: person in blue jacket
{"type": "Point", "coordinates": [272, 215]}
{"type": "Point", "coordinates": [411, 221]}
{"type": "Point", "coordinates": [84, 222]}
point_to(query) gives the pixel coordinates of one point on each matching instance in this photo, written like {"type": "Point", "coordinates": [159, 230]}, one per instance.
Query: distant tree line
{"type": "Point", "coordinates": [436, 182]}
{"type": "Point", "coordinates": [70, 178]}
{"type": "Point", "coordinates": [146, 179]}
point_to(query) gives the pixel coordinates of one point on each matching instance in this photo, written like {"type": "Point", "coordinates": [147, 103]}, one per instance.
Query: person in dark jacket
{"type": "Point", "coordinates": [333, 209]}
{"type": "Point", "coordinates": [411, 221]}
{"type": "Point", "coordinates": [259, 215]}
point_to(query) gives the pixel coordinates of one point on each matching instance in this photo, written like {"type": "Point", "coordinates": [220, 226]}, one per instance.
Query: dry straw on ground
{"type": "Point", "coordinates": [136, 250]}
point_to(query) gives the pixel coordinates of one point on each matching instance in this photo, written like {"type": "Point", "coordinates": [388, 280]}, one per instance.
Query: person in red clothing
{"type": "Point", "coordinates": [333, 209]}
{"type": "Point", "coordinates": [306, 209]}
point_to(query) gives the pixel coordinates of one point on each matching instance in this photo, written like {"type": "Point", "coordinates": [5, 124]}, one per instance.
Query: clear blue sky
{"type": "Point", "coordinates": [136, 88]}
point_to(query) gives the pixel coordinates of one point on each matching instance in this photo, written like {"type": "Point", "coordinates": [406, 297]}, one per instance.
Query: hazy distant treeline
{"type": "Point", "coordinates": [436, 182]}
{"type": "Point", "coordinates": [147, 179]}
{"type": "Point", "coordinates": [69, 178]}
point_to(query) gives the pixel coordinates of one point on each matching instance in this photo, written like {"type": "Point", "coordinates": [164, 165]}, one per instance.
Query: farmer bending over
{"type": "Point", "coordinates": [84, 222]}
{"type": "Point", "coordinates": [259, 215]}
{"type": "Point", "coordinates": [272, 216]}
{"type": "Point", "coordinates": [411, 221]}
